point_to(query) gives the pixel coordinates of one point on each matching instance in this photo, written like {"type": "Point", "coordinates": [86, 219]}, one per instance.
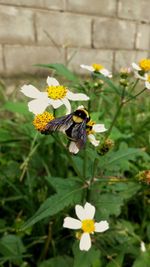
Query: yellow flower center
{"type": "Point", "coordinates": [88, 226]}
{"type": "Point", "coordinates": [145, 64]}
{"type": "Point", "coordinates": [148, 78]}
{"type": "Point", "coordinates": [41, 120]}
{"type": "Point", "coordinates": [97, 67]}
{"type": "Point", "coordinates": [56, 92]}
{"type": "Point", "coordinates": [89, 127]}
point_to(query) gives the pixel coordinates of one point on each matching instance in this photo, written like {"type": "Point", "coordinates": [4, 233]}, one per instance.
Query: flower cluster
{"type": "Point", "coordinates": [56, 95]}
{"type": "Point", "coordinates": [142, 71]}
{"type": "Point", "coordinates": [78, 127]}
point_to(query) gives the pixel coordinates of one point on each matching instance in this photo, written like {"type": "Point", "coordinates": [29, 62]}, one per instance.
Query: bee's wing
{"type": "Point", "coordinates": [79, 134]}
{"type": "Point", "coordinates": [59, 124]}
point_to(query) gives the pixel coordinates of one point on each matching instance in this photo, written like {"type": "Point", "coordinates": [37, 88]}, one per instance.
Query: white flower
{"type": "Point", "coordinates": [86, 223]}
{"type": "Point", "coordinates": [147, 81]}
{"type": "Point", "coordinates": [141, 68]}
{"type": "Point", "coordinates": [55, 95]}
{"type": "Point", "coordinates": [97, 68]}
{"type": "Point", "coordinates": [142, 246]}
{"type": "Point", "coordinates": [93, 128]}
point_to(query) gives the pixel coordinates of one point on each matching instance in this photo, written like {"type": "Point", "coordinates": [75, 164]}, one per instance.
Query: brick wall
{"type": "Point", "coordinates": [111, 32]}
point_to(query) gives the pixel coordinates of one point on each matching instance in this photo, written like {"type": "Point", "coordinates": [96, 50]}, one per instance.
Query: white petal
{"type": "Point", "coordinates": [80, 107]}
{"type": "Point", "coordinates": [106, 73]}
{"type": "Point", "coordinates": [76, 97]}
{"type": "Point", "coordinates": [71, 223]}
{"type": "Point", "coordinates": [55, 103]}
{"type": "Point", "coordinates": [52, 81]}
{"type": "Point", "coordinates": [93, 140]}
{"type": "Point", "coordinates": [135, 66]}
{"type": "Point", "coordinates": [80, 212]}
{"type": "Point", "coordinates": [90, 68]}
{"type": "Point", "coordinates": [99, 128]}
{"type": "Point", "coordinates": [147, 85]}
{"type": "Point", "coordinates": [138, 76]}
{"type": "Point", "coordinates": [30, 91]}
{"type": "Point", "coordinates": [85, 242]}
{"type": "Point", "coordinates": [89, 211]}
{"type": "Point", "coordinates": [66, 102]}
{"type": "Point", "coordinates": [101, 226]}
{"type": "Point", "coordinates": [73, 148]}
{"type": "Point", "coordinates": [38, 106]}
{"type": "Point", "coordinates": [142, 246]}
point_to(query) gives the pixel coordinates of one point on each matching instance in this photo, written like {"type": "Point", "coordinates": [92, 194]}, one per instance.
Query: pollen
{"type": "Point", "coordinates": [89, 127]}
{"type": "Point", "coordinates": [41, 120]}
{"type": "Point", "coordinates": [145, 64]}
{"type": "Point", "coordinates": [88, 226]}
{"type": "Point", "coordinates": [56, 92]}
{"type": "Point", "coordinates": [97, 67]}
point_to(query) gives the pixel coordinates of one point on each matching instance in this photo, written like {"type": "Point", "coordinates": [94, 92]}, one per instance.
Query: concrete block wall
{"type": "Point", "coordinates": [113, 33]}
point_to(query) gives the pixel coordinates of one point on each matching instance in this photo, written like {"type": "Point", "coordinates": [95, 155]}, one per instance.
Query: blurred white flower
{"type": "Point", "coordinates": [97, 68]}
{"type": "Point", "coordinates": [147, 81]}
{"type": "Point", "coordinates": [55, 95]}
{"type": "Point", "coordinates": [142, 246]}
{"type": "Point", "coordinates": [141, 68]}
{"type": "Point", "coordinates": [86, 223]}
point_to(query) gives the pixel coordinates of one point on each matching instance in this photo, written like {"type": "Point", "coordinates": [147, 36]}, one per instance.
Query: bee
{"type": "Point", "coordinates": [74, 126]}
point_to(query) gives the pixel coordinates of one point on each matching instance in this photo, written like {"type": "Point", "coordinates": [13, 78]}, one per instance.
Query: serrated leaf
{"type": "Point", "coordinates": [108, 204]}
{"type": "Point", "coordinates": [61, 70]}
{"type": "Point", "coordinates": [90, 258]}
{"type": "Point", "coordinates": [120, 159]}
{"type": "Point", "coordinates": [62, 186]}
{"type": "Point", "coordinates": [54, 204]}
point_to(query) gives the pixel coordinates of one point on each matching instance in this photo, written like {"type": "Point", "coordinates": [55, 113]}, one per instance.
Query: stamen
{"type": "Point", "coordinates": [97, 67]}
{"type": "Point", "coordinates": [56, 92]}
{"type": "Point", "coordinates": [41, 120]}
{"type": "Point", "coordinates": [145, 64]}
{"type": "Point", "coordinates": [88, 226]}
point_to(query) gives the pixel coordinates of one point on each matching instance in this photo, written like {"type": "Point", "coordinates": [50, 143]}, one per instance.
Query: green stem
{"type": "Point", "coordinates": [135, 96]}
{"type": "Point", "coordinates": [135, 84]}
{"type": "Point", "coordinates": [24, 165]}
{"type": "Point", "coordinates": [114, 120]}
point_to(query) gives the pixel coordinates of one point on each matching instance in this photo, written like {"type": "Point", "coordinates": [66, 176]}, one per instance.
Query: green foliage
{"type": "Point", "coordinates": [41, 182]}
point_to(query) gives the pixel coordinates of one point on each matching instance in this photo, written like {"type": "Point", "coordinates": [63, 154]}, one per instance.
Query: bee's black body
{"type": "Point", "coordinates": [73, 125]}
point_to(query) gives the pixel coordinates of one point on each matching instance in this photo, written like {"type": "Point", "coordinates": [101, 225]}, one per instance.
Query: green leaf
{"type": "Point", "coordinates": [12, 247]}
{"type": "Point", "coordinates": [120, 159]}
{"type": "Point", "coordinates": [61, 70]}
{"type": "Point", "coordinates": [108, 204]}
{"type": "Point", "coordinates": [57, 202]}
{"type": "Point", "coordinates": [90, 258]}
{"type": "Point", "coordinates": [143, 260]}
{"type": "Point", "coordinates": [17, 107]}
{"type": "Point", "coordinates": [63, 261]}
